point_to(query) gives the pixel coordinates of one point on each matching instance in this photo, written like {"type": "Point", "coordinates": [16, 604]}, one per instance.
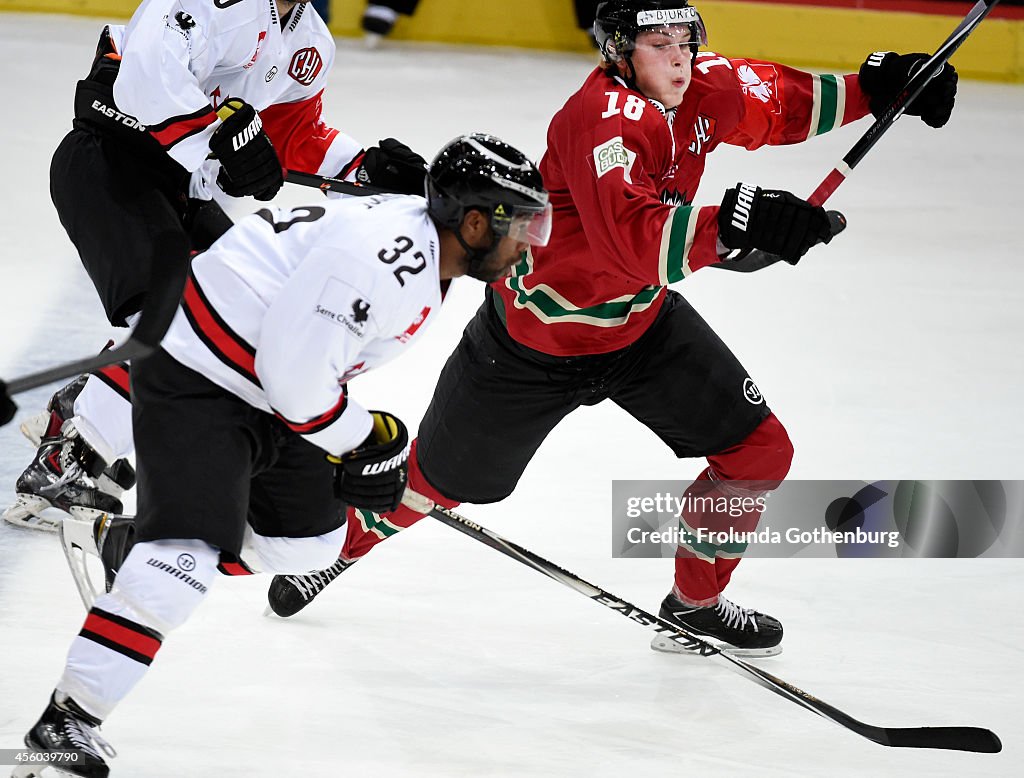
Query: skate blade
{"type": "Point", "coordinates": [44, 771]}
{"type": "Point", "coordinates": [663, 644]}
{"type": "Point", "coordinates": [31, 512]}
{"type": "Point", "coordinates": [35, 427]}
{"type": "Point", "coordinates": [76, 537]}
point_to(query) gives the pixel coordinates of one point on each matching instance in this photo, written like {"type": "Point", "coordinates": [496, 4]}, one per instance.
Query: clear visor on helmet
{"type": "Point", "coordinates": [527, 225]}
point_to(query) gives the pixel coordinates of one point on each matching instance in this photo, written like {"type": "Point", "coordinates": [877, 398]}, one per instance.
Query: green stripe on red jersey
{"type": "Point", "coordinates": [676, 243]}
{"type": "Point", "coordinates": [550, 306]}
{"type": "Point", "coordinates": [829, 107]}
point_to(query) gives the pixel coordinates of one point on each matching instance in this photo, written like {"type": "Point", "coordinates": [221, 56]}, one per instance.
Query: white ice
{"type": "Point", "coordinates": [893, 353]}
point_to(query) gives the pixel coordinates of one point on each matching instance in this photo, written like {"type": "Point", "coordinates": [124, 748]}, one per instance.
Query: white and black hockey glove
{"type": "Point", "coordinates": [249, 164]}
{"type": "Point", "coordinates": [373, 475]}
{"type": "Point", "coordinates": [884, 74]}
{"type": "Point", "coordinates": [771, 220]}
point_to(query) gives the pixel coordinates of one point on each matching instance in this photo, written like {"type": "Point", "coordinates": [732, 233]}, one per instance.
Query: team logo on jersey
{"type": "Point", "coordinates": [343, 305]}
{"type": "Point", "coordinates": [184, 20]}
{"type": "Point", "coordinates": [360, 311]}
{"type": "Point", "coordinates": [703, 132]}
{"type": "Point", "coordinates": [306, 65]}
{"type": "Point", "coordinates": [760, 82]}
{"type": "Point", "coordinates": [613, 154]}
{"type": "Point", "coordinates": [752, 393]}
{"type": "Point", "coordinates": [417, 323]}
{"type": "Point", "coordinates": [674, 197]}
{"type": "Point", "coordinates": [259, 45]}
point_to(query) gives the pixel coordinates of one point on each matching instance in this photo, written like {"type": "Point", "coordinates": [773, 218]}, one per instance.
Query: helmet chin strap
{"type": "Point", "coordinates": [476, 256]}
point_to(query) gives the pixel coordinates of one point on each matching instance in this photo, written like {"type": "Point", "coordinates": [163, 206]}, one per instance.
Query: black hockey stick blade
{"type": "Point", "coordinates": [755, 260]}
{"type": "Point", "coordinates": [949, 738]}
{"type": "Point", "coordinates": [329, 184]}
{"type": "Point", "coordinates": [167, 279]}
{"type": "Point", "coordinates": [978, 739]}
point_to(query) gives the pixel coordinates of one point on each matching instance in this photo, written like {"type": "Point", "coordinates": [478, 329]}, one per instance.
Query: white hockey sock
{"type": "Point", "coordinates": [157, 588]}
{"type": "Point", "coordinates": [103, 417]}
{"type": "Point", "coordinates": [290, 556]}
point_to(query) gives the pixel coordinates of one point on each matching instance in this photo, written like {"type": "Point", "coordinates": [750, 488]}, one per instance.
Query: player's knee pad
{"type": "Point", "coordinates": [764, 455]}
{"type": "Point", "coordinates": [161, 582]}
{"type": "Point", "coordinates": [289, 556]}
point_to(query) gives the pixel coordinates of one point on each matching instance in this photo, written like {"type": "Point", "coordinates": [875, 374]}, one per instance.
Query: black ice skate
{"type": "Point", "coordinates": [64, 726]}
{"type": "Point", "coordinates": [108, 537]}
{"type": "Point", "coordinates": [288, 594]}
{"type": "Point", "coordinates": [739, 631]}
{"type": "Point", "coordinates": [59, 475]}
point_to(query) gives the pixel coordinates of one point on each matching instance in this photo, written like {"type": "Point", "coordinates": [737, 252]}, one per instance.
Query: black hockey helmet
{"type": "Point", "coordinates": [481, 172]}
{"type": "Point", "coordinates": [618, 22]}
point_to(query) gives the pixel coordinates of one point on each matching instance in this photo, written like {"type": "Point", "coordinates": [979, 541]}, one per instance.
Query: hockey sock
{"type": "Point", "coordinates": [157, 588]}
{"type": "Point", "coordinates": [284, 556]}
{"type": "Point", "coordinates": [366, 529]}
{"type": "Point", "coordinates": [736, 478]}
{"type": "Point", "coordinates": [103, 412]}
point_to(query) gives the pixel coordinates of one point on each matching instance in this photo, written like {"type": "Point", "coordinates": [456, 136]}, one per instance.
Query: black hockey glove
{"type": "Point", "coordinates": [884, 74]}
{"type": "Point", "coordinates": [771, 220]}
{"type": "Point", "coordinates": [393, 167]}
{"type": "Point", "coordinates": [249, 164]}
{"type": "Point", "coordinates": [373, 476]}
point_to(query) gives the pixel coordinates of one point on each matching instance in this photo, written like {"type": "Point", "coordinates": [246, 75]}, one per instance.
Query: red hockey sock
{"type": "Point", "coordinates": [760, 462]}
{"type": "Point", "coordinates": [366, 529]}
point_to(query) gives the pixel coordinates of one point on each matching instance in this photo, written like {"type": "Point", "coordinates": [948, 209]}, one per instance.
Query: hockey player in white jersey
{"type": "Point", "coordinates": [248, 444]}
{"type": "Point", "coordinates": [190, 96]}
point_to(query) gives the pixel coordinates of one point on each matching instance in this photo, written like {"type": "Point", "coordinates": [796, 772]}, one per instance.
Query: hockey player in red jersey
{"type": "Point", "coordinates": [190, 96]}
{"type": "Point", "coordinates": [589, 317]}
{"type": "Point", "coordinates": [249, 445]}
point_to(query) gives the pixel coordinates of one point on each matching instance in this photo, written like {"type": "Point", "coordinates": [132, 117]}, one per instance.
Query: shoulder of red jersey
{"type": "Point", "coordinates": [604, 96]}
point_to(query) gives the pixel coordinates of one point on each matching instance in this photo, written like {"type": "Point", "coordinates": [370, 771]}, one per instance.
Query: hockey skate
{"type": "Point", "coordinates": [66, 728]}
{"type": "Point", "coordinates": [288, 594]}
{"type": "Point", "coordinates": [108, 538]}
{"type": "Point", "coordinates": [56, 481]}
{"type": "Point", "coordinates": [736, 630]}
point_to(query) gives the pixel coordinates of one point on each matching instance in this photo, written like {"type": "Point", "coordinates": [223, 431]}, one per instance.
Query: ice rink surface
{"type": "Point", "coordinates": [893, 353]}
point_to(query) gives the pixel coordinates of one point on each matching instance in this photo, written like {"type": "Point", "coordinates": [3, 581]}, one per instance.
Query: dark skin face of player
{"type": "Point", "coordinates": [476, 231]}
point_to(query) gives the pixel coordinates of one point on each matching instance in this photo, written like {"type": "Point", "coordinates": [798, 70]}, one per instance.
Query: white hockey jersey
{"type": "Point", "coordinates": [290, 304]}
{"type": "Point", "coordinates": [180, 59]}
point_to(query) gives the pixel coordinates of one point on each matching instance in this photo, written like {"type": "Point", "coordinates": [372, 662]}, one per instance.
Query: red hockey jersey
{"type": "Point", "coordinates": [622, 172]}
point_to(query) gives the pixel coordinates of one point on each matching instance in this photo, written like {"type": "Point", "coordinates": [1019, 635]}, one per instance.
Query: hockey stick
{"type": "Point", "coordinates": [951, 738]}
{"type": "Point", "coordinates": [168, 275]}
{"type": "Point", "coordinates": [167, 279]}
{"type": "Point", "coordinates": [757, 259]}
{"type": "Point", "coordinates": [329, 184]}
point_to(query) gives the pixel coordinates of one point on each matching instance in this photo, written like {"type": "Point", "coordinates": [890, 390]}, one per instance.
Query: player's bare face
{"type": "Point", "coordinates": [662, 62]}
{"type": "Point", "coordinates": [500, 260]}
